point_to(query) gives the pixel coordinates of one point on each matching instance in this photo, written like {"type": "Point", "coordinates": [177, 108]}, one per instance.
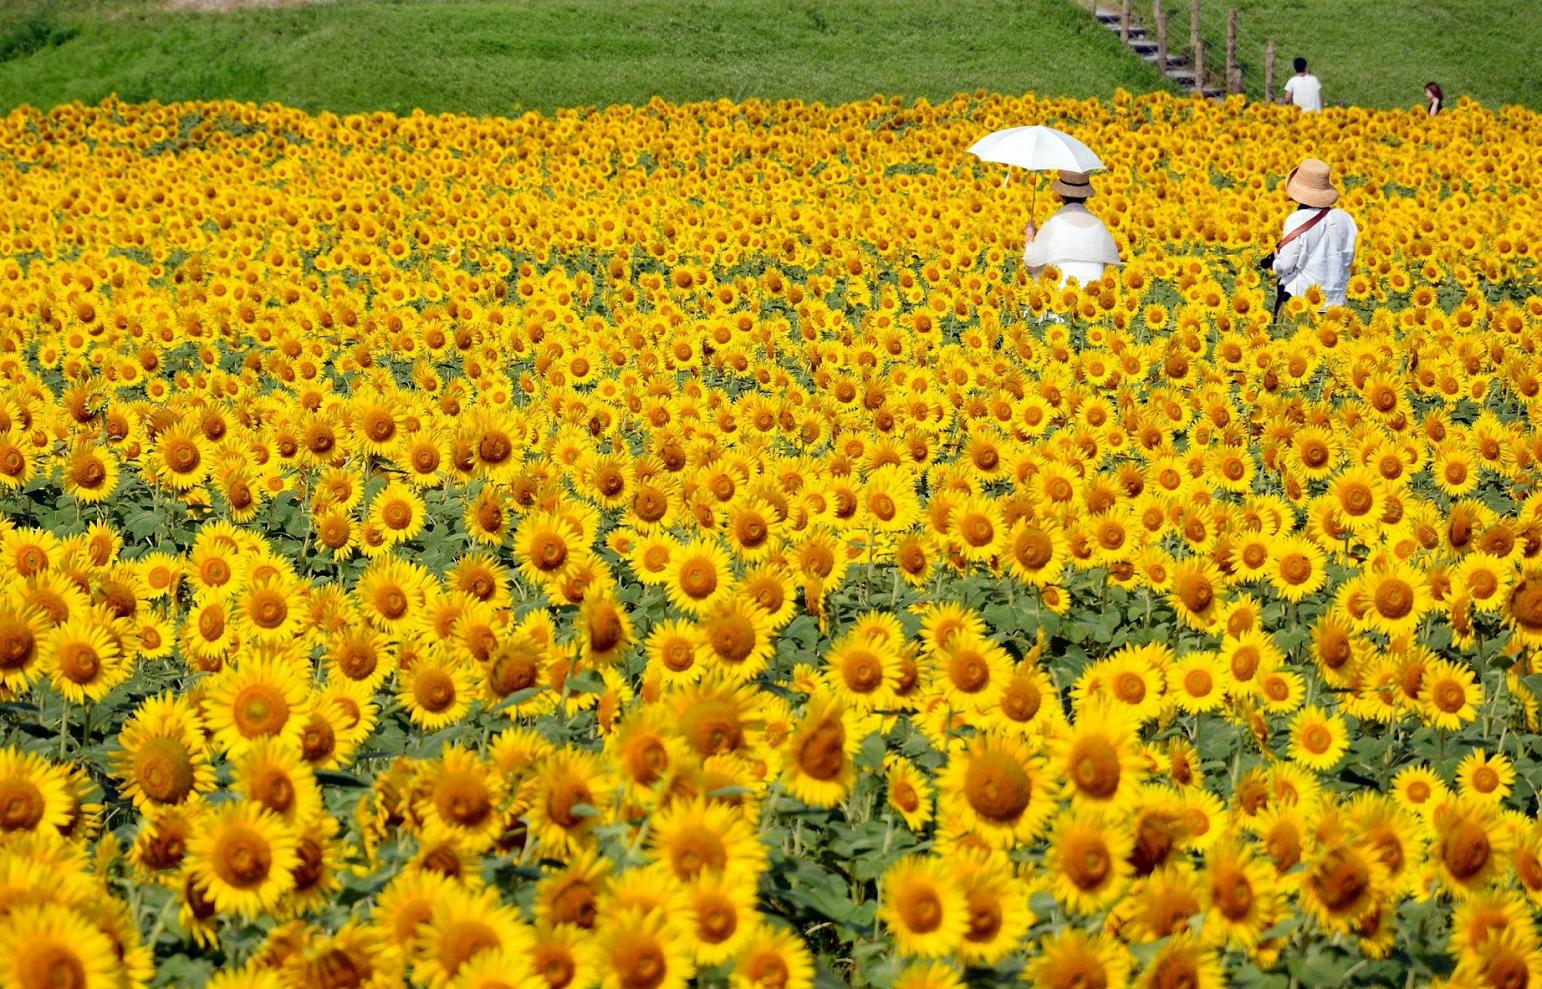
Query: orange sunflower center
{"type": "Point", "coordinates": [164, 769]}
{"type": "Point", "coordinates": [822, 752]}
{"type": "Point", "coordinates": [1466, 849]}
{"type": "Point", "coordinates": [1340, 880]}
{"type": "Point", "coordinates": [997, 787]}
{"type": "Point", "coordinates": [50, 966]}
{"type": "Point", "coordinates": [259, 709]}
{"type": "Point", "coordinates": [463, 800]}
{"type": "Point", "coordinates": [1094, 765]}
{"type": "Point", "coordinates": [242, 858]}
{"type": "Point", "coordinates": [21, 805]}
{"type": "Point", "coordinates": [1394, 598]}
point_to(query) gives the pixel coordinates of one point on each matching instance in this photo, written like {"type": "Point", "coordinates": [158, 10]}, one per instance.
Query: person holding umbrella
{"type": "Point", "coordinates": [1073, 239]}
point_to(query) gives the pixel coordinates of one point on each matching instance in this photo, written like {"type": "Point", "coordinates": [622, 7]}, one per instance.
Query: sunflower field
{"type": "Point", "coordinates": [680, 545]}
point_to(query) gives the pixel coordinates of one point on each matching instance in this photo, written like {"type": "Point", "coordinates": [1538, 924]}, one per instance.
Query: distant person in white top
{"type": "Point", "coordinates": [1072, 240]}
{"type": "Point", "coordinates": [1304, 89]}
{"type": "Point", "coordinates": [1317, 245]}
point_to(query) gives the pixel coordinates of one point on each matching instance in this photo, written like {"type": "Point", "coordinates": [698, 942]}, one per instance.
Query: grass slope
{"type": "Point", "coordinates": [1379, 52]}
{"type": "Point", "coordinates": [486, 57]}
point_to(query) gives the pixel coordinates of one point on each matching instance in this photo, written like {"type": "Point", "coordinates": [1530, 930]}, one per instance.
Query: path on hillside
{"type": "Point", "coordinates": [1179, 68]}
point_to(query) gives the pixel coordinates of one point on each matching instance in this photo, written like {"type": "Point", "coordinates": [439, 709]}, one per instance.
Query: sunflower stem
{"type": "Point", "coordinates": [64, 727]}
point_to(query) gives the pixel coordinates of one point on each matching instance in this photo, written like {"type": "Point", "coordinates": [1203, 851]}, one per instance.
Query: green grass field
{"type": "Point", "coordinates": [1380, 52]}
{"type": "Point", "coordinates": [492, 56]}
{"type": "Point", "coordinates": [489, 57]}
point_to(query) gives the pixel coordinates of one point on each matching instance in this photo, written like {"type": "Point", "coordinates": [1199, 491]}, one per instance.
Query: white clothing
{"type": "Point", "coordinates": [1076, 242]}
{"type": "Point", "coordinates": [1321, 256]}
{"type": "Point", "coordinates": [1306, 92]}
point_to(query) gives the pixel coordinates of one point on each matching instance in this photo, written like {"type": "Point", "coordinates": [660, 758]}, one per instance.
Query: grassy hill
{"type": "Point", "coordinates": [492, 56]}
{"type": "Point", "coordinates": [1379, 52]}
{"type": "Point", "coordinates": [488, 57]}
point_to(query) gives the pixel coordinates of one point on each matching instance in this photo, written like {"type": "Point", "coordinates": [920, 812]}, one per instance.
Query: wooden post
{"type": "Point", "coordinates": [1160, 16]}
{"type": "Point", "coordinates": [1197, 44]}
{"type": "Point", "coordinates": [1124, 23]}
{"type": "Point", "coordinates": [1269, 72]}
{"type": "Point", "coordinates": [1233, 74]}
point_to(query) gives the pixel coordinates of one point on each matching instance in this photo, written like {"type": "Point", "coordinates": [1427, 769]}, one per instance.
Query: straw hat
{"type": "Point", "coordinates": [1073, 185]}
{"type": "Point", "coordinates": [1310, 185]}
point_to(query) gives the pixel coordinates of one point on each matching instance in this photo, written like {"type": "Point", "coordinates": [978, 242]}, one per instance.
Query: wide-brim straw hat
{"type": "Point", "coordinates": [1073, 185]}
{"type": "Point", "coordinates": [1310, 184]}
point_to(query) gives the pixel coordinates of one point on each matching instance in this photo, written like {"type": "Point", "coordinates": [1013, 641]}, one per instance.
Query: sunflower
{"type": "Point", "coordinates": [1241, 894]}
{"type": "Point", "coordinates": [271, 773]}
{"type": "Point", "coordinates": [735, 638]}
{"type": "Point", "coordinates": [83, 660]}
{"type": "Point", "coordinates": [1419, 789]}
{"type": "Point", "coordinates": [692, 838]}
{"type": "Point", "coordinates": [398, 511]}
{"type": "Point", "coordinates": [908, 791]}
{"type": "Point", "coordinates": [1449, 694]}
{"type": "Point", "coordinates": [974, 672]}
{"type": "Point", "coordinates": [862, 672]}
{"type": "Point", "coordinates": [1522, 609]}
{"type": "Point", "coordinates": [260, 697]}
{"type": "Point", "coordinates": [437, 690]}
{"type": "Point", "coordinates": [751, 526]}
{"type": "Point", "coordinates": [1028, 703]}
{"type": "Point", "coordinates": [1397, 597]}
{"type": "Point", "coordinates": [699, 576]}
{"type": "Point", "coordinates": [179, 460]}
{"type": "Point", "coordinates": [163, 761]}
{"type": "Point", "coordinates": [605, 630]}
{"type": "Point", "coordinates": [1196, 682]}
{"type": "Point", "coordinates": [268, 609]}
{"type": "Point", "coordinates": [34, 793]}
{"type": "Point", "coordinates": [23, 631]}
{"type": "Point", "coordinates": [161, 844]}
{"type": "Point", "coordinates": [463, 925]}
{"type": "Point", "coordinates": [1131, 681]}
{"type": "Point", "coordinates": [641, 948]}
{"type": "Point", "coordinates": [1297, 568]}
{"type": "Point", "coordinates": [773, 957]}
{"type": "Point", "coordinates": [724, 914]}
{"type": "Point", "coordinates": [566, 802]}
{"type": "Point", "coordinates": [1088, 860]}
{"type": "Point", "coordinates": [1471, 845]}
{"type": "Point", "coordinates": [359, 655]}
{"type": "Point", "coordinates": [1183, 961]}
{"type": "Point", "coordinates": [1071, 959]}
{"type": "Point", "coordinates": [1160, 905]}
{"type": "Point", "coordinates": [996, 790]}
{"type": "Point", "coordinates": [977, 529]}
{"type": "Point", "coordinates": [391, 593]}
{"type": "Point", "coordinates": [406, 906]}
{"type": "Point", "coordinates": [1342, 882]}
{"type": "Point", "coordinates": [1195, 592]}
{"type": "Point", "coordinates": [47, 945]}
{"type": "Point", "coordinates": [924, 907]}
{"type": "Point", "coordinates": [1099, 758]}
{"type": "Point", "coordinates": [90, 474]}
{"type": "Point", "coordinates": [243, 858]}
{"type": "Point", "coordinates": [1318, 740]}
{"type": "Point", "coordinates": [1485, 776]}
{"type": "Point", "coordinates": [819, 755]}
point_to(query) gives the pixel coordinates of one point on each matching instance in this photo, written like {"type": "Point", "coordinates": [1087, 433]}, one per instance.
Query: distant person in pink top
{"type": "Point", "coordinates": [1072, 240]}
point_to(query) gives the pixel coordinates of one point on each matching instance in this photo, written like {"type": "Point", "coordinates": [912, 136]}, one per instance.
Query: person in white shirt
{"type": "Point", "coordinates": [1317, 246]}
{"type": "Point", "coordinates": [1073, 240]}
{"type": "Point", "coordinates": [1304, 89]}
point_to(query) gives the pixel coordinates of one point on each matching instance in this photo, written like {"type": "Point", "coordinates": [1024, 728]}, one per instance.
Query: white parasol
{"type": "Point", "coordinates": [1038, 149]}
